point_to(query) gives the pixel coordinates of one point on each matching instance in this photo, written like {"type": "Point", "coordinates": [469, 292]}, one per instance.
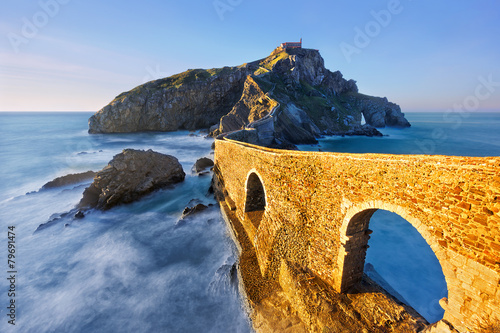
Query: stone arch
{"type": "Point", "coordinates": [255, 198]}
{"type": "Point", "coordinates": [354, 235]}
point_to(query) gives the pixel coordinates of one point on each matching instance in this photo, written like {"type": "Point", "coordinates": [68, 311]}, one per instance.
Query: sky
{"type": "Point", "coordinates": [77, 55]}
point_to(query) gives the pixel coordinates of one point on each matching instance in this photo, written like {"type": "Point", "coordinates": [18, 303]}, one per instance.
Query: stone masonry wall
{"type": "Point", "coordinates": [318, 207]}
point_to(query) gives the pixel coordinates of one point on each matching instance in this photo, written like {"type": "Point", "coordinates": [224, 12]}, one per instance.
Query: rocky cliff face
{"type": "Point", "coordinates": [190, 100]}
{"type": "Point", "coordinates": [292, 86]}
{"type": "Point", "coordinates": [253, 105]}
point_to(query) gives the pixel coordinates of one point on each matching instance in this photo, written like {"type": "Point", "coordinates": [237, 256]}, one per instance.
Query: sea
{"type": "Point", "coordinates": [139, 267]}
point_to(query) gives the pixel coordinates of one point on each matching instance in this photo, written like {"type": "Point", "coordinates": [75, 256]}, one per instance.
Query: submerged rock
{"type": "Point", "coordinates": [189, 211]}
{"type": "Point", "coordinates": [67, 217]}
{"type": "Point", "coordinates": [129, 176]}
{"type": "Point", "coordinates": [202, 164]}
{"type": "Point", "coordinates": [364, 130]}
{"type": "Point", "coordinates": [73, 178]}
{"type": "Point", "coordinates": [79, 215]}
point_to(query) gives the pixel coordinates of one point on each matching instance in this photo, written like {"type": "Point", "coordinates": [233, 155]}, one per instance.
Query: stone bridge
{"type": "Point", "coordinates": [314, 209]}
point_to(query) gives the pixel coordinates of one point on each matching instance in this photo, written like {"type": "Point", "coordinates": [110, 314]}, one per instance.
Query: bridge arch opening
{"type": "Point", "coordinates": [255, 203]}
{"type": "Point", "coordinates": [390, 250]}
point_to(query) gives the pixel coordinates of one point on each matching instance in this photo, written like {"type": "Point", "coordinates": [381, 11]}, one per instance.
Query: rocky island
{"type": "Point", "coordinates": [291, 86]}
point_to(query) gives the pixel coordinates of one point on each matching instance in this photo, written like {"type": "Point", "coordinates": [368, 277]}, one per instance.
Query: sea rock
{"type": "Point", "coordinates": [58, 218]}
{"type": "Point", "coordinates": [79, 215]}
{"type": "Point", "coordinates": [194, 207]}
{"type": "Point", "coordinates": [129, 176]}
{"type": "Point", "coordinates": [189, 211]}
{"type": "Point", "coordinates": [202, 164]}
{"type": "Point", "coordinates": [73, 178]}
{"type": "Point", "coordinates": [308, 66]}
{"type": "Point", "coordinates": [364, 130]}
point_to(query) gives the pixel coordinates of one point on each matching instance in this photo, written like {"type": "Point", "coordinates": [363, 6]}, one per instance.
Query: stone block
{"type": "Point", "coordinates": [457, 259]}
{"type": "Point", "coordinates": [464, 205]}
{"type": "Point", "coordinates": [481, 219]}
{"type": "Point", "coordinates": [465, 276]}
{"type": "Point", "coordinates": [495, 246]}
{"type": "Point", "coordinates": [484, 286]}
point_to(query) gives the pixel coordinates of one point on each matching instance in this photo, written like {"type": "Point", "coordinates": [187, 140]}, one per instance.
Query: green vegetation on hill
{"type": "Point", "coordinates": [270, 61]}
{"type": "Point", "coordinates": [178, 80]}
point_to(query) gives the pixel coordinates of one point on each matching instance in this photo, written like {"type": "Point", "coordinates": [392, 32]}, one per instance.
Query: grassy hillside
{"type": "Point", "coordinates": [178, 80]}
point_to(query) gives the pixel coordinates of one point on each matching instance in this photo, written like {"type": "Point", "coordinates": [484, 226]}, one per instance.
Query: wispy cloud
{"type": "Point", "coordinates": [64, 75]}
{"type": "Point", "coordinates": [37, 67]}
{"type": "Point", "coordinates": [71, 61]}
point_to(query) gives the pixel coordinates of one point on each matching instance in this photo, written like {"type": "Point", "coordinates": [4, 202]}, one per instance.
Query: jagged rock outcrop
{"type": "Point", "coordinates": [295, 126]}
{"type": "Point", "coordinates": [309, 67]}
{"type": "Point", "coordinates": [190, 211]}
{"type": "Point", "coordinates": [253, 105]}
{"type": "Point", "coordinates": [291, 90]}
{"type": "Point", "coordinates": [129, 176]}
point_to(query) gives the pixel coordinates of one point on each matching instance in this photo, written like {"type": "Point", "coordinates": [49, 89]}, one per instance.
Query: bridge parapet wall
{"type": "Point", "coordinates": [318, 207]}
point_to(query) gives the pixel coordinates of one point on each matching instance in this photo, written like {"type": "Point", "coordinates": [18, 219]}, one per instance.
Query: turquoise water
{"type": "Point", "coordinates": [133, 268]}
{"type": "Point", "coordinates": [406, 262]}
{"type": "Point", "coordinates": [477, 134]}
{"type": "Point", "coordinates": [130, 269]}
{"type": "Point", "coordinates": [397, 251]}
